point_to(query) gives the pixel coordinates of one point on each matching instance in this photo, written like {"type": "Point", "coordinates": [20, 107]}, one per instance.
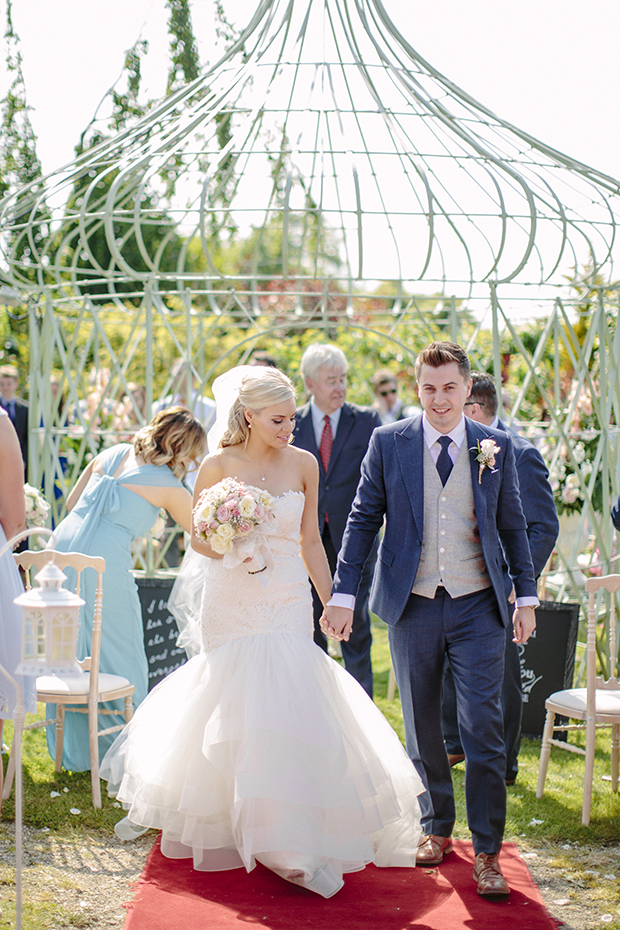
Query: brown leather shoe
{"type": "Point", "coordinates": [432, 849]}
{"type": "Point", "coordinates": [456, 758]}
{"type": "Point", "coordinates": [489, 876]}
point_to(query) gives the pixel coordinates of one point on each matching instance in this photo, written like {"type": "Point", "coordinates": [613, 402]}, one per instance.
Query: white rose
{"type": "Point", "coordinates": [225, 532]}
{"type": "Point", "coordinates": [247, 506]}
{"type": "Point", "coordinates": [219, 545]}
{"type": "Point", "coordinates": [488, 447]}
{"type": "Point", "coordinates": [569, 494]}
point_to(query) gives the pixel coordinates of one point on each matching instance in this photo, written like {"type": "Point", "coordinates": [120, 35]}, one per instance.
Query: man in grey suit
{"type": "Point", "coordinates": [542, 532]}
{"type": "Point", "coordinates": [448, 489]}
{"type": "Point", "coordinates": [337, 433]}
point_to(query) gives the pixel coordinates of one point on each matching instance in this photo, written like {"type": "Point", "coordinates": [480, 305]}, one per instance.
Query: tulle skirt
{"type": "Point", "coordinates": [265, 748]}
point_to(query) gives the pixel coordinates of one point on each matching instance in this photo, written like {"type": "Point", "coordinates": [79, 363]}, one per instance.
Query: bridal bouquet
{"type": "Point", "coordinates": [234, 518]}
{"type": "Point", "coordinates": [37, 507]}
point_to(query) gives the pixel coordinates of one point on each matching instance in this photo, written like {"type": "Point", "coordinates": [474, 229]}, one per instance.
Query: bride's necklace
{"type": "Point", "coordinates": [257, 467]}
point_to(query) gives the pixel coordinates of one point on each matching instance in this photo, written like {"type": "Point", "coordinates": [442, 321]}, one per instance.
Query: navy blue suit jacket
{"type": "Point", "coordinates": [392, 484]}
{"type": "Point", "coordinates": [537, 500]}
{"type": "Point", "coordinates": [615, 514]}
{"type": "Point", "coordinates": [337, 488]}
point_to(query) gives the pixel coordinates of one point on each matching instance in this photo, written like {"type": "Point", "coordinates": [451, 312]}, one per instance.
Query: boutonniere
{"type": "Point", "coordinates": [487, 450]}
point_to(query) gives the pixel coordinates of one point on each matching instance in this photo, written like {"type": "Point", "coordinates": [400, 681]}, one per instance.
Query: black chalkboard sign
{"type": "Point", "coordinates": [160, 627]}
{"type": "Point", "coordinates": [547, 661]}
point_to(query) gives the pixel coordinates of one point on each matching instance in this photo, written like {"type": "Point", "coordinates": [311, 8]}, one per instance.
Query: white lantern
{"type": "Point", "coordinates": [50, 626]}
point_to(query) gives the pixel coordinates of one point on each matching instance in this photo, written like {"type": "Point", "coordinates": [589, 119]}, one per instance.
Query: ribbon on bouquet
{"type": "Point", "coordinates": [256, 548]}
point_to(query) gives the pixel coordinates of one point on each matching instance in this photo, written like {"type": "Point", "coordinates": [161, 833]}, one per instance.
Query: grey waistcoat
{"type": "Point", "coordinates": [451, 550]}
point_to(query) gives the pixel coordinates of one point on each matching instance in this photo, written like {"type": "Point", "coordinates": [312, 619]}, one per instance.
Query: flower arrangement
{"type": "Point", "coordinates": [487, 450]}
{"type": "Point", "coordinates": [571, 468]}
{"type": "Point", "coordinates": [234, 519]}
{"type": "Point", "coordinates": [37, 508]}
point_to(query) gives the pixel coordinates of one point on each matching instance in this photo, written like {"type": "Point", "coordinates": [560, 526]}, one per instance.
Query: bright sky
{"type": "Point", "coordinates": [549, 66]}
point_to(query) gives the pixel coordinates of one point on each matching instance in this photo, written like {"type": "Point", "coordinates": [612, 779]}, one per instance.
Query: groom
{"type": "Point", "coordinates": [450, 509]}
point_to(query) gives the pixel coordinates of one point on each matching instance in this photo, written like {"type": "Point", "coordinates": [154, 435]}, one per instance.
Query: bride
{"type": "Point", "coordinates": [262, 748]}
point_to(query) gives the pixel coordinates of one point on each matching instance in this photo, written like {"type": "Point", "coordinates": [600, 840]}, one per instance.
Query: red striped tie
{"type": "Point", "coordinates": [327, 441]}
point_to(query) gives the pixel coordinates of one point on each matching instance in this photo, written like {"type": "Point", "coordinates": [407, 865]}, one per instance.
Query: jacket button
{"type": "Point", "coordinates": [327, 487]}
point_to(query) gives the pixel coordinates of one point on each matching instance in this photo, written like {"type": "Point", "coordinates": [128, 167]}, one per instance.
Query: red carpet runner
{"type": "Point", "coordinates": [171, 894]}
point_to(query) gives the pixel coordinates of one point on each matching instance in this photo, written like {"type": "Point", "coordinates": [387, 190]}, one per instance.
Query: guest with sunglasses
{"type": "Point", "coordinates": [387, 402]}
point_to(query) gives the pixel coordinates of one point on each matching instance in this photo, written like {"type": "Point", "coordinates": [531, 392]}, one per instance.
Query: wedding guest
{"type": "Point", "coordinates": [542, 531]}
{"type": "Point", "coordinates": [337, 433]}
{"type": "Point", "coordinates": [117, 498]}
{"type": "Point", "coordinates": [387, 401]}
{"type": "Point", "coordinates": [263, 359]}
{"type": "Point", "coordinates": [448, 490]}
{"type": "Point", "coordinates": [16, 408]}
{"type": "Point", "coordinates": [183, 393]}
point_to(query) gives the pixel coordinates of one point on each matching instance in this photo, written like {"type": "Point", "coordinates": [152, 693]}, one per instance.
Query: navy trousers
{"type": "Point", "coordinates": [355, 652]}
{"type": "Point", "coordinates": [469, 631]}
{"type": "Point", "coordinates": [512, 708]}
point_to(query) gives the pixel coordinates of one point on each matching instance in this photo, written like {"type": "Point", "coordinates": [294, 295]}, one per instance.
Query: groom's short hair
{"type": "Point", "coordinates": [443, 353]}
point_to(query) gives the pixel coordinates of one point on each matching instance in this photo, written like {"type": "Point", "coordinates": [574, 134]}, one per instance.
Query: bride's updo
{"type": "Point", "coordinates": [263, 387]}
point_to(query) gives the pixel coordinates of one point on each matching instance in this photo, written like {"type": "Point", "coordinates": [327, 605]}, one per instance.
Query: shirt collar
{"type": "Point", "coordinates": [431, 435]}
{"type": "Point", "coordinates": [318, 417]}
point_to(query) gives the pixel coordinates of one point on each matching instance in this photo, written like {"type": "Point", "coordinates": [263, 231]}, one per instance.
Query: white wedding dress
{"type": "Point", "coordinates": [262, 748]}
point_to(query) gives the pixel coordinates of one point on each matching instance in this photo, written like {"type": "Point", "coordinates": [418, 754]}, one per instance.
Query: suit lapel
{"type": "Point", "coordinates": [410, 452]}
{"type": "Point", "coordinates": [305, 431]}
{"type": "Point", "coordinates": [345, 425]}
{"type": "Point", "coordinates": [472, 435]}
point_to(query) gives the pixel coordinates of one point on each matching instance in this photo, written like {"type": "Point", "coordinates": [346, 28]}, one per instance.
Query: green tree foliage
{"type": "Point", "coordinates": [19, 167]}
{"type": "Point", "coordinates": [185, 61]}
{"type": "Point", "coordinates": [19, 163]}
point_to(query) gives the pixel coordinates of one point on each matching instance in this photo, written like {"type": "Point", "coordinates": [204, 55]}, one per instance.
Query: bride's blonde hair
{"type": "Point", "coordinates": [263, 388]}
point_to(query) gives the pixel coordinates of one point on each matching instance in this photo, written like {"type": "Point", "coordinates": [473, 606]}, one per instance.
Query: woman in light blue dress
{"type": "Point", "coordinates": [118, 498]}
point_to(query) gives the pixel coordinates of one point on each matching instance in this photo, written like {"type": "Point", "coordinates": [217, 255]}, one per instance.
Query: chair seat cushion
{"type": "Point", "coordinates": [79, 684]}
{"type": "Point", "coordinates": [574, 699]}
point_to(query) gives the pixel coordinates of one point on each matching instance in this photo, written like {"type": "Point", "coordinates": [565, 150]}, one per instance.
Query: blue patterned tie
{"type": "Point", "coordinates": [444, 462]}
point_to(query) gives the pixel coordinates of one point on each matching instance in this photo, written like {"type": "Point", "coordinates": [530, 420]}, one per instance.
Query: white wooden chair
{"type": "Point", "coordinates": [84, 693]}
{"type": "Point", "coordinates": [596, 705]}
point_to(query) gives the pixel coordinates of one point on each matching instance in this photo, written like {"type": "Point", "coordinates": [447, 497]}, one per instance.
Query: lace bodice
{"type": "Point", "coordinates": [236, 603]}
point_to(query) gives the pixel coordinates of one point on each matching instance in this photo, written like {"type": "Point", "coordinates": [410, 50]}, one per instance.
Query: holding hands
{"type": "Point", "coordinates": [337, 622]}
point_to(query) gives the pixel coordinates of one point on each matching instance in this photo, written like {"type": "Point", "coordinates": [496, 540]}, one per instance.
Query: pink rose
{"type": "Point", "coordinates": [245, 527]}
{"type": "Point", "coordinates": [223, 513]}
{"type": "Point", "coordinates": [214, 525]}
{"type": "Point", "coordinates": [258, 511]}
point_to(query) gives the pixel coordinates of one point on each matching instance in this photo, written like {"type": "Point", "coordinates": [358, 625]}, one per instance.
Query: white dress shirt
{"type": "Point", "coordinates": [318, 421]}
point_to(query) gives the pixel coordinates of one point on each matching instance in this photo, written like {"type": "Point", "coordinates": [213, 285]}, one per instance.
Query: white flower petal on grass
{"type": "Point", "coordinates": [610, 878]}
{"type": "Point", "coordinates": [535, 823]}
{"type": "Point", "coordinates": [606, 918]}
{"type": "Point", "coordinates": [66, 790]}
{"type": "Point", "coordinates": [74, 810]}
{"type": "Point", "coordinates": [562, 901]}
{"type": "Point", "coordinates": [54, 794]}
{"type": "Point", "coordinates": [530, 856]}
{"type": "Point", "coordinates": [592, 872]}
{"type": "Point", "coordinates": [116, 804]}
